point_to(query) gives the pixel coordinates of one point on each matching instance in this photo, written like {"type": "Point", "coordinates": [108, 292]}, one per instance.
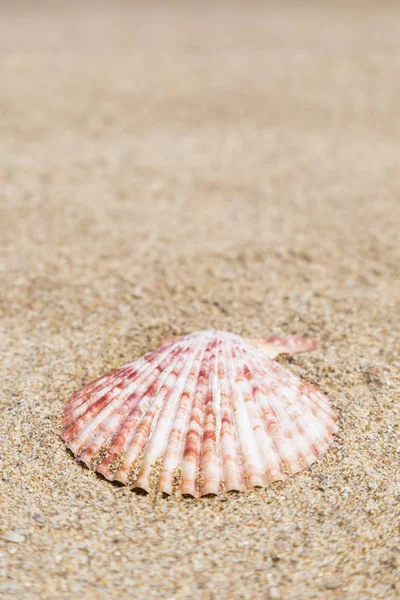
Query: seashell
{"type": "Point", "coordinates": [204, 413]}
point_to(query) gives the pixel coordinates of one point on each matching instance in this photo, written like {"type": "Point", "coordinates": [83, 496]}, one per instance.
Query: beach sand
{"type": "Point", "coordinates": [165, 170]}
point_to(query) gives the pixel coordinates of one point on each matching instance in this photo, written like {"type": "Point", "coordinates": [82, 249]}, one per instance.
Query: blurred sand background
{"type": "Point", "coordinates": [171, 168]}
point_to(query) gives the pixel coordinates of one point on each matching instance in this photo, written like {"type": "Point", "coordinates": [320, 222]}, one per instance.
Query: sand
{"type": "Point", "coordinates": [170, 169]}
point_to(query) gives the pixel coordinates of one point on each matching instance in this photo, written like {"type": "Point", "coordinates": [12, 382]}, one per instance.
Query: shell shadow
{"type": "Point", "coordinates": [84, 466]}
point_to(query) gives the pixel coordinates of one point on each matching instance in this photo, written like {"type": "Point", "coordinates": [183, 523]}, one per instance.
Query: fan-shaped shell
{"type": "Point", "coordinates": [205, 413]}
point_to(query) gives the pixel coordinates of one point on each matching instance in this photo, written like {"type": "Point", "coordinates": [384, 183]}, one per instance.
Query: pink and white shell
{"type": "Point", "coordinates": [205, 413]}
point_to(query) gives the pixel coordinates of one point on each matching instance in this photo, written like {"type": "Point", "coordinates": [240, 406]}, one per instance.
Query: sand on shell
{"type": "Point", "coordinates": [170, 169]}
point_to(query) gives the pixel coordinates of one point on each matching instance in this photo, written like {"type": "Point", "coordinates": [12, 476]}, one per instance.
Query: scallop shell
{"type": "Point", "coordinates": [202, 414]}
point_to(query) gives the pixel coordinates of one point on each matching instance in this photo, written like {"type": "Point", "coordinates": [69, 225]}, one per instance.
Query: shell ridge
{"type": "Point", "coordinates": [233, 402]}
{"type": "Point", "coordinates": [192, 476]}
{"type": "Point", "coordinates": [271, 426]}
{"type": "Point", "coordinates": [177, 434]}
{"type": "Point", "coordinates": [133, 370]}
{"type": "Point", "coordinates": [209, 456]}
{"type": "Point", "coordinates": [216, 393]}
{"type": "Point", "coordinates": [256, 464]}
{"type": "Point", "coordinates": [320, 423]}
{"type": "Point", "coordinates": [314, 395]}
{"type": "Point", "coordinates": [255, 421]}
{"type": "Point", "coordinates": [190, 482]}
{"type": "Point", "coordinates": [282, 405]}
{"type": "Point", "coordinates": [91, 385]}
{"type": "Point", "coordinates": [272, 419]}
{"type": "Point", "coordinates": [97, 412]}
{"type": "Point", "coordinates": [269, 418]}
{"type": "Point", "coordinates": [129, 444]}
{"type": "Point", "coordinates": [322, 402]}
{"type": "Point", "coordinates": [317, 432]}
{"type": "Point", "coordinates": [130, 369]}
{"type": "Point", "coordinates": [232, 466]}
{"type": "Point", "coordinates": [309, 404]}
{"type": "Point", "coordinates": [94, 403]}
{"type": "Point", "coordinates": [74, 405]}
{"type": "Point", "coordinates": [135, 393]}
{"type": "Point", "coordinates": [287, 451]}
{"type": "Point", "coordinates": [156, 445]}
